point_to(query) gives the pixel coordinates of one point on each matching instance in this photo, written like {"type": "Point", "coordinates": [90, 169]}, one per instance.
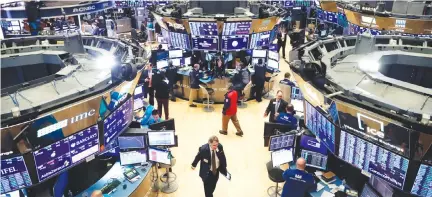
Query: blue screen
{"type": "Point", "coordinates": [203, 28]}
{"type": "Point", "coordinates": [374, 159]}
{"type": "Point", "coordinates": [162, 55]}
{"type": "Point", "coordinates": [14, 174]}
{"type": "Point", "coordinates": [117, 121]}
{"type": "Point", "coordinates": [179, 40]}
{"type": "Point", "coordinates": [320, 126]}
{"type": "Point", "coordinates": [207, 43]}
{"type": "Point", "coordinates": [331, 17]}
{"type": "Point", "coordinates": [230, 43]}
{"type": "Point", "coordinates": [423, 181]}
{"type": "Point", "coordinates": [260, 39]}
{"type": "Point", "coordinates": [312, 144]}
{"type": "Point", "coordinates": [236, 28]}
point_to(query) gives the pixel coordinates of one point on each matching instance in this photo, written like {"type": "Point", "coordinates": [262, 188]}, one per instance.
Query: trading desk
{"type": "Point", "coordinates": [140, 187]}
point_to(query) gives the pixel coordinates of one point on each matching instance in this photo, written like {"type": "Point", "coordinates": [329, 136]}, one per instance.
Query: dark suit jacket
{"type": "Point", "coordinates": [205, 155]}
{"type": "Point", "coordinates": [271, 108]}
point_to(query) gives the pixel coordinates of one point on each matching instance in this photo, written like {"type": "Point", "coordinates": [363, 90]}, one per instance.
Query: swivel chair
{"type": "Point", "coordinates": [244, 97]}
{"type": "Point", "coordinates": [269, 80]}
{"type": "Point", "coordinates": [208, 104]}
{"type": "Point", "coordinates": [169, 184]}
{"type": "Point", "coordinates": [275, 175]}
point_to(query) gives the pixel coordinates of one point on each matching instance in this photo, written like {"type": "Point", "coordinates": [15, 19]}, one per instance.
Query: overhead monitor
{"type": "Point", "coordinates": [314, 159]}
{"type": "Point", "coordinates": [175, 54]}
{"type": "Point", "coordinates": [176, 62]}
{"type": "Point", "coordinates": [208, 28]}
{"type": "Point", "coordinates": [259, 40]}
{"type": "Point", "coordinates": [14, 174]}
{"type": "Point", "coordinates": [161, 138]}
{"type": "Point", "coordinates": [259, 53]}
{"type": "Point", "coordinates": [129, 142]}
{"type": "Point", "coordinates": [282, 156]}
{"type": "Point", "coordinates": [236, 28]}
{"type": "Point", "coordinates": [207, 43]}
{"type": "Point", "coordinates": [331, 17]}
{"type": "Point", "coordinates": [133, 157]}
{"type": "Point", "coordinates": [159, 155]}
{"type": "Point", "coordinates": [179, 40]}
{"type": "Point", "coordinates": [312, 144]}
{"type": "Point", "coordinates": [273, 64]}
{"type": "Point", "coordinates": [319, 125]}
{"type": "Point", "coordinates": [138, 97]}
{"type": "Point", "coordinates": [423, 181]}
{"type": "Point", "coordinates": [161, 64]}
{"type": "Point", "coordinates": [368, 191]}
{"type": "Point", "coordinates": [234, 43]}
{"type": "Point", "coordinates": [374, 159]}
{"type": "Point", "coordinates": [274, 55]}
{"type": "Point", "coordinates": [84, 144]}
{"type": "Point", "coordinates": [117, 122]}
{"type": "Point", "coordinates": [281, 141]}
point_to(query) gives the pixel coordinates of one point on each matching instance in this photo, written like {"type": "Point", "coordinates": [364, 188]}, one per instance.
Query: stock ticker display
{"type": "Point", "coordinates": [56, 157]}
{"type": "Point", "coordinates": [179, 40]}
{"type": "Point", "coordinates": [319, 125]}
{"type": "Point", "coordinates": [208, 43]}
{"type": "Point", "coordinates": [260, 39]}
{"type": "Point", "coordinates": [232, 43]}
{"type": "Point", "coordinates": [236, 28]}
{"type": "Point", "coordinates": [376, 160]}
{"type": "Point", "coordinates": [14, 174]}
{"type": "Point", "coordinates": [116, 122]}
{"type": "Point", "coordinates": [203, 28]}
{"type": "Point", "coordinates": [423, 181]}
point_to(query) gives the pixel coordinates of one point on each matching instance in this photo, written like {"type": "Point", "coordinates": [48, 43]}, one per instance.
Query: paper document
{"type": "Point", "coordinates": [327, 194]}
{"type": "Point", "coordinates": [318, 173]}
{"type": "Point", "coordinates": [319, 187]}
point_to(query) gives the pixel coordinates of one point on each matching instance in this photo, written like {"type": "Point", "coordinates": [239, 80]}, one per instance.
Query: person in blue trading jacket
{"type": "Point", "coordinates": [287, 80]}
{"type": "Point", "coordinates": [155, 118]}
{"type": "Point", "coordinates": [147, 115]}
{"type": "Point", "coordinates": [297, 181]}
{"type": "Point", "coordinates": [287, 118]}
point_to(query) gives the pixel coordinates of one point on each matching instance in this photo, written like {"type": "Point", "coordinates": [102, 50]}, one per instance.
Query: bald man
{"type": "Point", "coordinates": [297, 181]}
{"type": "Point", "coordinates": [288, 117]}
{"type": "Point", "coordinates": [98, 193]}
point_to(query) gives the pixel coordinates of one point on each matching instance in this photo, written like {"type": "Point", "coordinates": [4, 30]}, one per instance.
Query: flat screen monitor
{"type": "Point", "coordinates": [207, 43]}
{"type": "Point", "coordinates": [159, 155]}
{"type": "Point", "coordinates": [312, 144]}
{"type": "Point", "coordinates": [138, 97]}
{"type": "Point", "coordinates": [176, 62]}
{"type": "Point", "coordinates": [129, 142]}
{"type": "Point", "coordinates": [368, 191]}
{"type": "Point", "coordinates": [162, 55]}
{"type": "Point", "coordinates": [282, 141]}
{"type": "Point", "coordinates": [260, 40]}
{"type": "Point", "coordinates": [179, 40]}
{"type": "Point", "coordinates": [259, 53]}
{"type": "Point", "coordinates": [161, 138]}
{"type": "Point", "coordinates": [164, 125]}
{"type": "Point", "coordinates": [175, 54]}
{"type": "Point", "coordinates": [274, 55]}
{"type": "Point", "coordinates": [273, 64]}
{"type": "Point", "coordinates": [331, 17]}
{"type": "Point", "coordinates": [320, 126]}
{"type": "Point", "coordinates": [162, 64]}
{"type": "Point", "coordinates": [234, 43]}
{"type": "Point", "coordinates": [203, 28]}
{"type": "Point", "coordinates": [236, 28]}
{"type": "Point", "coordinates": [314, 159]}
{"type": "Point", "coordinates": [374, 159]}
{"type": "Point", "coordinates": [117, 122]}
{"type": "Point", "coordinates": [133, 157]}
{"type": "Point", "coordinates": [164, 46]}
{"type": "Point", "coordinates": [14, 174]}
{"type": "Point", "coordinates": [382, 187]}
{"type": "Point", "coordinates": [187, 61]}
{"type": "Point", "coordinates": [282, 156]}
{"type": "Point", "coordinates": [423, 181]}
{"type": "Point", "coordinates": [84, 144]}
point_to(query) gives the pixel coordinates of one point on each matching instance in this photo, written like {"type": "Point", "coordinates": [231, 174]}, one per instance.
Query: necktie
{"type": "Point", "coordinates": [276, 106]}
{"type": "Point", "coordinates": [213, 165]}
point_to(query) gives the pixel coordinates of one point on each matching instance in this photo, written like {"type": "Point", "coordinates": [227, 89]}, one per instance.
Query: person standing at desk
{"type": "Point", "coordinates": [171, 74]}
{"type": "Point", "coordinates": [147, 75]}
{"type": "Point", "coordinates": [258, 80]}
{"type": "Point", "coordinates": [275, 106]}
{"type": "Point", "coordinates": [194, 77]}
{"type": "Point", "coordinates": [213, 161]}
{"type": "Point", "coordinates": [297, 181]}
{"type": "Point", "coordinates": [161, 85]}
{"type": "Point", "coordinates": [230, 112]}
{"type": "Point", "coordinates": [281, 41]}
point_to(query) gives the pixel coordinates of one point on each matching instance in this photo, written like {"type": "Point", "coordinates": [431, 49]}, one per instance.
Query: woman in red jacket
{"type": "Point", "coordinates": [230, 112]}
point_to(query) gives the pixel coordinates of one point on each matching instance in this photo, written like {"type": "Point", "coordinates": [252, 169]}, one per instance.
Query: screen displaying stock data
{"type": "Point", "coordinates": [179, 40]}
{"type": "Point", "coordinates": [56, 157]}
{"type": "Point", "coordinates": [236, 28]}
{"type": "Point", "coordinates": [314, 159]}
{"type": "Point", "coordinates": [423, 181]}
{"type": "Point", "coordinates": [319, 125]}
{"type": "Point", "coordinates": [374, 159]}
{"type": "Point", "coordinates": [203, 28]}
{"type": "Point", "coordinates": [207, 43]}
{"type": "Point", "coordinates": [232, 43]}
{"type": "Point", "coordinates": [14, 174]}
{"type": "Point", "coordinates": [260, 39]}
{"type": "Point", "coordinates": [281, 141]}
{"type": "Point", "coordinates": [117, 121]}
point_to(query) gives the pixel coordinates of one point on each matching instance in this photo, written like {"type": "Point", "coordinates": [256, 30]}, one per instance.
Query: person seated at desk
{"type": "Point", "coordinates": [151, 116]}
{"type": "Point", "coordinates": [219, 69]}
{"type": "Point", "coordinates": [287, 117]}
{"type": "Point", "coordinates": [286, 80]}
{"type": "Point", "coordinates": [155, 118]}
{"type": "Point", "coordinates": [297, 181]}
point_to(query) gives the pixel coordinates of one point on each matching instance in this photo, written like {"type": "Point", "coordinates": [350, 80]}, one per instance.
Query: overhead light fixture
{"type": "Point", "coordinates": [105, 61]}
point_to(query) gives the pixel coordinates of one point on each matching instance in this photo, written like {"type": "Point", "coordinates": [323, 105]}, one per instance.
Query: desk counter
{"type": "Point", "coordinates": [139, 188]}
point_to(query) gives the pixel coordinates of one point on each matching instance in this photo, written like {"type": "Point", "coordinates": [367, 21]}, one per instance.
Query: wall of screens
{"type": "Point", "coordinates": [320, 126]}
{"type": "Point", "coordinates": [117, 121]}
{"type": "Point", "coordinates": [423, 181]}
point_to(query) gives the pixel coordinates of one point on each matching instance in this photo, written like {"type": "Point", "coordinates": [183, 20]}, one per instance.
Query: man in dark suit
{"type": "Point", "coordinates": [147, 76]}
{"type": "Point", "coordinates": [275, 106]}
{"type": "Point", "coordinates": [213, 161]}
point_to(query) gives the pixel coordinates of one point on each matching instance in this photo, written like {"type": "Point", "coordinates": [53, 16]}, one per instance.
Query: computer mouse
{"type": "Point", "coordinates": [124, 186]}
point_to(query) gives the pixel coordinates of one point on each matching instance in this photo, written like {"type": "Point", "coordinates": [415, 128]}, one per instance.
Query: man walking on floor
{"type": "Point", "coordinates": [230, 112]}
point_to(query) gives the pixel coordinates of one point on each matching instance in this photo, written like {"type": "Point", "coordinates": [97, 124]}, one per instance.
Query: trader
{"type": "Point", "coordinates": [213, 161]}
{"type": "Point", "coordinates": [275, 106]}
{"type": "Point", "coordinates": [171, 74]}
{"type": "Point", "coordinates": [147, 75]}
{"type": "Point", "coordinates": [241, 78]}
{"type": "Point", "coordinates": [286, 80]}
{"type": "Point", "coordinates": [288, 117]}
{"type": "Point", "coordinates": [230, 112]}
{"type": "Point", "coordinates": [194, 77]}
{"type": "Point", "coordinates": [297, 181]}
{"type": "Point", "coordinates": [162, 88]}
{"type": "Point", "coordinates": [155, 118]}
{"type": "Point", "coordinates": [258, 80]}
{"type": "Point", "coordinates": [281, 41]}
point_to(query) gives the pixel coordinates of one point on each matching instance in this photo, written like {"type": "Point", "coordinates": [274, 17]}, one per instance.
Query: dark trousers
{"type": "Point", "coordinates": [283, 49]}
{"type": "Point", "coordinates": [163, 102]}
{"type": "Point", "coordinates": [257, 89]}
{"type": "Point", "coordinates": [210, 184]}
{"type": "Point", "coordinates": [171, 91]}
{"type": "Point", "coordinates": [151, 93]}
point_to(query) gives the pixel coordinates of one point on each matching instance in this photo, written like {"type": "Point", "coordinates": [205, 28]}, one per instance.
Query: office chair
{"type": "Point", "coordinates": [275, 175]}
{"type": "Point", "coordinates": [208, 103]}
{"type": "Point", "coordinates": [169, 184]}
{"type": "Point", "coordinates": [269, 81]}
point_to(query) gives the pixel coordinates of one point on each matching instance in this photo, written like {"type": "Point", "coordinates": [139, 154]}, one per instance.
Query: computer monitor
{"type": "Point", "coordinates": [274, 55]}
{"type": "Point", "coordinates": [381, 186]}
{"type": "Point", "coordinates": [314, 159]}
{"type": "Point", "coordinates": [187, 60]}
{"type": "Point", "coordinates": [129, 142]}
{"type": "Point", "coordinates": [273, 64]}
{"type": "Point", "coordinates": [164, 125]}
{"type": "Point", "coordinates": [282, 156]}
{"type": "Point", "coordinates": [274, 129]}
{"type": "Point", "coordinates": [176, 62]}
{"type": "Point", "coordinates": [281, 141]}
{"type": "Point", "coordinates": [159, 155]}
{"type": "Point", "coordinates": [320, 126]}
{"type": "Point", "coordinates": [368, 191]}
{"type": "Point", "coordinates": [176, 54]}
{"type": "Point", "coordinates": [312, 144]}
{"type": "Point", "coordinates": [14, 174]}
{"type": "Point", "coordinates": [164, 46]}
{"type": "Point", "coordinates": [138, 97]}
{"type": "Point", "coordinates": [255, 61]}
{"type": "Point", "coordinates": [133, 157]}
{"type": "Point", "coordinates": [423, 181]}
{"type": "Point", "coordinates": [259, 53]}
{"type": "Point", "coordinates": [162, 64]}
{"type": "Point", "coordinates": [161, 138]}
{"type": "Point", "coordinates": [162, 55]}
{"type": "Point", "coordinates": [117, 122]}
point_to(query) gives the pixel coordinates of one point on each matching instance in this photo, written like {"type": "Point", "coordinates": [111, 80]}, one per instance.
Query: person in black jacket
{"type": "Point", "coordinates": [161, 85]}
{"type": "Point", "coordinates": [275, 106]}
{"type": "Point", "coordinates": [194, 77]}
{"type": "Point", "coordinates": [258, 80]}
{"type": "Point", "coordinates": [219, 69]}
{"type": "Point", "coordinates": [281, 41]}
{"type": "Point", "coordinates": [213, 161]}
{"type": "Point", "coordinates": [147, 76]}
{"type": "Point", "coordinates": [171, 74]}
